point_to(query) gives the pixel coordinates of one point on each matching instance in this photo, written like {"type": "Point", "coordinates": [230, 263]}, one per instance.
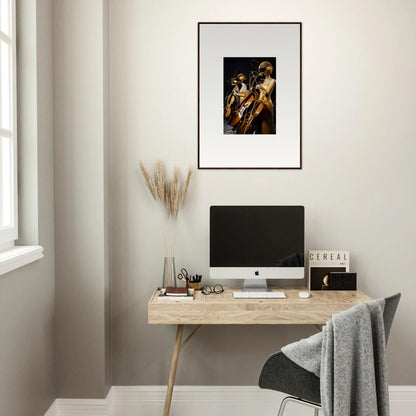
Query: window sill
{"type": "Point", "coordinates": [19, 256]}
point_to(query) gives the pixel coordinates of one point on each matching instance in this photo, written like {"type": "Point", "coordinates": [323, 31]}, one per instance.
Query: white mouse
{"type": "Point", "coordinates": [304, 295]}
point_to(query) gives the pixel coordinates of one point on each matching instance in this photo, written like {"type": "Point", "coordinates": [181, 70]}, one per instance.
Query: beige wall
{"type": "Point", "coordinates": [27, 294]}
{"type": "Point", "coordinates": [82, 359]}
{"type": "Point", "coordinates": [357, 181]}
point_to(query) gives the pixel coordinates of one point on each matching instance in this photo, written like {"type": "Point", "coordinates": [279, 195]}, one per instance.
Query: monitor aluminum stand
{"type": "Point", "coordinates": [255, 285]}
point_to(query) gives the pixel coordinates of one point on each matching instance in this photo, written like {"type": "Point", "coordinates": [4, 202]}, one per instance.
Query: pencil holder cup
{"type": "Point", "coordinates": [194, 285]}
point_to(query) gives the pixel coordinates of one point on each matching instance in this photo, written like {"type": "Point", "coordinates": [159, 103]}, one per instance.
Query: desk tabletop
{"type": "Point", "coordinates": [223, 309]}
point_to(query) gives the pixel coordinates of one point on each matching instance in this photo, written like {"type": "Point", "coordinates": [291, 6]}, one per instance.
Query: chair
{"type": "Point", "coordinates": [282, 374]}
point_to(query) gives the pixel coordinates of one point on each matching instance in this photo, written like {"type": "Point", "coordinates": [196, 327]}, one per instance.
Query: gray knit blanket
{"type": "Point", "coordinates": [349, 357]}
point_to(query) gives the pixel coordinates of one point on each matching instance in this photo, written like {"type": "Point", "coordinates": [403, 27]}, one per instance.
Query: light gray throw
{"type": "Point", "coordinates": [349, 357]}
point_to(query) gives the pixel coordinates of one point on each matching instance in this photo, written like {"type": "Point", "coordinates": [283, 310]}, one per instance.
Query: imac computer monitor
{"type": "Point", "coordinates": [256, 243]}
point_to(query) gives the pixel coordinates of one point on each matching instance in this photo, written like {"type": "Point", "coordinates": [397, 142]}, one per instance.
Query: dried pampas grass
{"type": "Point", "coordinates": [186, 184]}
{"type": "Point", "coordinates": [175, 194]}
{"type": "Point", "coordinates": [160, 181]}
{"type": "Point", "coordinates": [171, 194]}
{"type": "Point", "coordinates": [166, 199]}
{"type": "Point", "coordinates": [149, 181]}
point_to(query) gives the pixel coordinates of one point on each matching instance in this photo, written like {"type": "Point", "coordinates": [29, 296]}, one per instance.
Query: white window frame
{"type": "Point", "coordinates": [9, 234]}
{"type": "Point", "coordinates": [11, 256]}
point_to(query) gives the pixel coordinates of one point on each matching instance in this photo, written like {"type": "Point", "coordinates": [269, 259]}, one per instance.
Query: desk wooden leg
{"type": "Point", "coordinates": [173, 367]}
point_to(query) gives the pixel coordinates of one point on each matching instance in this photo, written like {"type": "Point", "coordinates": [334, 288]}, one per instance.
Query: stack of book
{"type": "Point", "coordinates": [176, 294]}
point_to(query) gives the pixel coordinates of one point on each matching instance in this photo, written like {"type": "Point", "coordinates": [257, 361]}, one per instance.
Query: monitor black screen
{"type": "Point", "coordinates": [257, 236]}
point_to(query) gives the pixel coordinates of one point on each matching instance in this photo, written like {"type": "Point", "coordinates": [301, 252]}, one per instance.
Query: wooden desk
{"type": "Point", "coordinates": [223, 309]}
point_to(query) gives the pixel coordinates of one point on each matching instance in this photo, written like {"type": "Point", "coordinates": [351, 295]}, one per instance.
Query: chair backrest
{"type": "Point", "coordinates": [389, 311]}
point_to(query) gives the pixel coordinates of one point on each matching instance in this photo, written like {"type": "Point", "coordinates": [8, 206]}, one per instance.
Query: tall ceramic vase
{"type": "Point", "coordinates": [169, 274]}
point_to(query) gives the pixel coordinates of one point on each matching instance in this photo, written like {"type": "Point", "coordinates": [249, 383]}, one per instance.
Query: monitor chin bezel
{"type": "Point", "coordinates": [252, 273]}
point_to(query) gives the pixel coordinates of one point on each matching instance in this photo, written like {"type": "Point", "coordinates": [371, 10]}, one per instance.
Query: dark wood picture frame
{"type": "Point", "coordinates": [199, 95]}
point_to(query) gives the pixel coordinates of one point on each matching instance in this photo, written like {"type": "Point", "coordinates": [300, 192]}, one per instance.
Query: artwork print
{"type": "Point", "coordinates": [249, 95]}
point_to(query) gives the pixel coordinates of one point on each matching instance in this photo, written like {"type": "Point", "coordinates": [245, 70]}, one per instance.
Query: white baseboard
{"type": "Point", "coordinates": [53, 410]}
{"type": "Point", "coordinates": [196, 400]}
{"type": "Point", "coordinates": [402, 400]}
{"type": "Point", "coordinates": [98, 407]}
{"type": "Point", "coordinates": [207, 400]}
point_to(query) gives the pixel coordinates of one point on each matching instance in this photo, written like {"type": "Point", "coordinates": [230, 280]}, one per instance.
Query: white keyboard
{"type": "Point", "coordinates": [259, 295]}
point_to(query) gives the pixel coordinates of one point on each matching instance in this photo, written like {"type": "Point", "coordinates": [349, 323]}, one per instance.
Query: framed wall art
{"type": "Point", "coordinates": [249, 95]}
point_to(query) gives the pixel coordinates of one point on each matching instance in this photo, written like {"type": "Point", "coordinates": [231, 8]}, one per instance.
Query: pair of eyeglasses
{"type": "Point", "coordinates": [217, 289]}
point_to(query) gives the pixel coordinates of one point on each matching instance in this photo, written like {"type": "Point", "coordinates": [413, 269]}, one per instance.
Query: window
{"type": "Point", "coordinates": [11, 256]}
{"type": "Point", "coordinates": [8, 153]}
